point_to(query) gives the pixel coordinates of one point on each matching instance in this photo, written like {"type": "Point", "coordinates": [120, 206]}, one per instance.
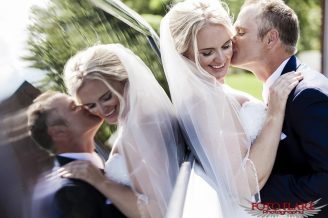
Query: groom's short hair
{"type": "Point", "coordinates": [276, 14]}
{"type": "Point", "coordinates": [38, 115]}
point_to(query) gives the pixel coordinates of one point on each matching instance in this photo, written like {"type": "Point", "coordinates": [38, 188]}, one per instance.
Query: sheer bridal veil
{"type": "Point", "coordinates": [209, 118]}
{"type": "Point", "coordinates": [148, 136]}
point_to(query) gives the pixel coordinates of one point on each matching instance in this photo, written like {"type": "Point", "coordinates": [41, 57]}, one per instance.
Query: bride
{"type": "Point", "coordinates": [233, 136]}
{"type": "Point", "coordinates": [113, 83]}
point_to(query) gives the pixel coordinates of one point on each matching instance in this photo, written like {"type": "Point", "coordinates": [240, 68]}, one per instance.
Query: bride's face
{"type": "Point", "coordinates": [214, 50]}
{"type": "Point", "coordinates": [95, 96]}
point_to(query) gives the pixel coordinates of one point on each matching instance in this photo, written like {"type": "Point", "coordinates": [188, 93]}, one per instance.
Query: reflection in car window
{"type": "Point", "coordinates": [65, 27]}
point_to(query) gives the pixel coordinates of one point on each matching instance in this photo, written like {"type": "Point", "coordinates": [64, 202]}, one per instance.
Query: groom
{"type": "Point", "coordinates": [265, 44]}
{"type": "Point", "coordinates": [67, 130]}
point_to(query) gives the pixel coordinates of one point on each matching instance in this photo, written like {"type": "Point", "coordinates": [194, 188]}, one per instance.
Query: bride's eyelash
{"type": "Point", "coordinates": [89, 106]}
{"type": "Point", "coordinates": [107, 96]}
{"type": "Point", "coordinates": [207, 53]}
{"type": "Point", "coordinates": [227, 44]}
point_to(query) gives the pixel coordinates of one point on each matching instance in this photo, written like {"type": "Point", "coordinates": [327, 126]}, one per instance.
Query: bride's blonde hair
{"type": "Point", "coordinates": [190, 16]}
{"type": "Point", "coordinates": [98, 62]}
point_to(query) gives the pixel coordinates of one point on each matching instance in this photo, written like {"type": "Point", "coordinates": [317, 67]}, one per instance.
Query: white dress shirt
{"type": "Point", "coordinates": [268, 83]}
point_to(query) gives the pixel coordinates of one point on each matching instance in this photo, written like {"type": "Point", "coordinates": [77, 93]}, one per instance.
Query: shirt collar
{"type": "Point", "coordinates": [268, 83]}
{"type": "Point", "coordinates": [92, 157]}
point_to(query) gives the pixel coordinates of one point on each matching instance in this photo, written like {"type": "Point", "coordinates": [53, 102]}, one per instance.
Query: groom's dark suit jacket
{"type": "Point", "coordinates": [300, 172]}
{"type": "Point", "coordinates": [69, 198]}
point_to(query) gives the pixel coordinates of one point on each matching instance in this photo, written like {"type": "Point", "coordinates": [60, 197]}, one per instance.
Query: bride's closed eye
{"type": "Point", "coordinates": [227, 45]}
{"type": "Point", "coordinates": [107, 96]}
{"type": "Point", "coordinates": [89, 106]}
{"type": "Point", "coordinates": [207, 53]}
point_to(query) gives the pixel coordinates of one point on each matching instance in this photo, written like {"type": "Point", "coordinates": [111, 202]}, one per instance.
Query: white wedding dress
{"type": "Point", "coordinates": [116, 169]}
{"type": "Point", "coordinates": [201, 199]}
{"type": "Point", "coordinates": [252, 116]}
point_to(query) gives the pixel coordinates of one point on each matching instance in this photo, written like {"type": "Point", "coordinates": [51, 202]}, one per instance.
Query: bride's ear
{"type": "Point", "coordinates": [190, 54]}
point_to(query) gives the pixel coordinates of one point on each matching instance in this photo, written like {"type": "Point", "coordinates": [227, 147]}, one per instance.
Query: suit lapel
{"type": "Point", "coordinates": [63, 160]}
{"type": "Point", "coordinates": [291, 65]}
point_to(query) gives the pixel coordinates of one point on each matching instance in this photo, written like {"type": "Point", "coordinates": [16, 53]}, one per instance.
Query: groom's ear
{"type": "Point", "coordinates": [272, 38]}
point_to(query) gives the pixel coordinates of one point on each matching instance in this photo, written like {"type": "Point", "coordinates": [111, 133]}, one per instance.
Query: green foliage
{"type": "Point", "coordinates": [158, 7]}
{"type": "Point", "coordinates": [104, 132]}
{"type": "Point", "coordinates": [66, 27]}
{"type": "Point", "coordinates": [309, 15]}
{"type": "Point", "coordinates": [308, 11]}
{"type": "Point", "coordinates": [246, 82]}
{"type": "Point", "coordinates": [154, 20]}
{"type": "Point", "coordinates": [152, 10]}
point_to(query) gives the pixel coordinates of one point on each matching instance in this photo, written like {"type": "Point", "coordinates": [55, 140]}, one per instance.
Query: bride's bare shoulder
{"type": "Point", "coordinates": [241, 97]}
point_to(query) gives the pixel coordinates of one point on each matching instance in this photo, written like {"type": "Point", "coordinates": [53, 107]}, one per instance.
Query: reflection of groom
{"type": "Point", "coordinates": [265, 43]}
{"type": "Point", "coordinates": [61, 127]}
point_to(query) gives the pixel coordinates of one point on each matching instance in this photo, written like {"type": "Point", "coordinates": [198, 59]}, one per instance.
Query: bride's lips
{"type": "Point", "coordinates": [218, 68]}
{"type": "Point", "coordinates": [111, 112]}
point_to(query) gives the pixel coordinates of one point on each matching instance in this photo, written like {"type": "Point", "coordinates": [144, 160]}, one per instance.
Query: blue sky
{"type": "Point", "coordinates": [14, 16]}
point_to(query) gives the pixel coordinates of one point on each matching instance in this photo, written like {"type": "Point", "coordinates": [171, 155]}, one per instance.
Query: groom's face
{"type": "Point", "coordinates": [248, 48]}
{"type": "Point", "coordinates": [78, 121]}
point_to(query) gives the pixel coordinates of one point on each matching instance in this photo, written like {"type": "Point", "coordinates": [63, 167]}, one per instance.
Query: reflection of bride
{"type": "Point", "coordinates": [113, 83]}
{"type": "Point", "coordinates": [196, 49]}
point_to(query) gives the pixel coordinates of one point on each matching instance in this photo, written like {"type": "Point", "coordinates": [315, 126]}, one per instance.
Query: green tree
{"type": "Point", "coordinates": [308, 11]}
{"type": "Point", "coordinates": [64, 27]}
{"type": "Point", "coordinates": [152, 10]}
{"type": "Point", "coordinates": [309, 15]}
